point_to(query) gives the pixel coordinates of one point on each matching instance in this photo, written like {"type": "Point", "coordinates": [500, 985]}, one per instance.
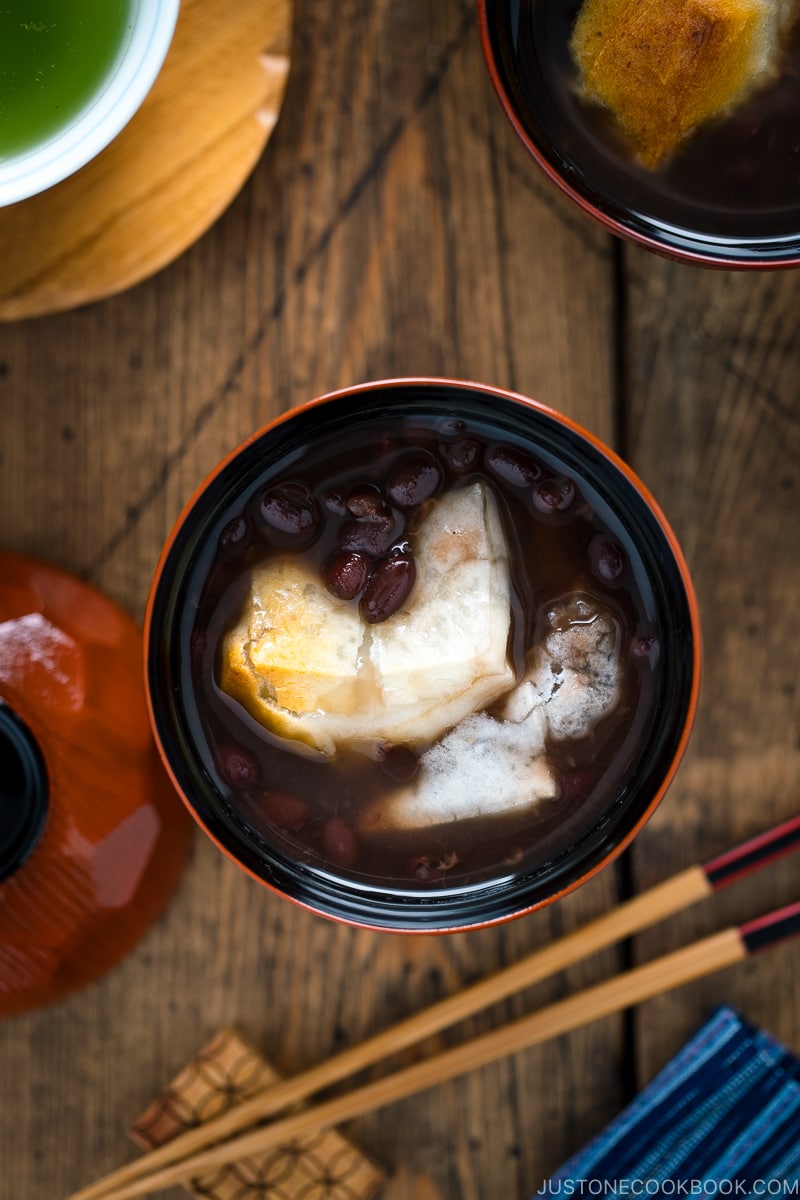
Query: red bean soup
{"type": "Point", "coordinates": [494, 612]}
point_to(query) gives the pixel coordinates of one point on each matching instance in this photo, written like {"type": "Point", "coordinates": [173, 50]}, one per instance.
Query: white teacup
{"type": "Point", "coordinates": [120, 93]}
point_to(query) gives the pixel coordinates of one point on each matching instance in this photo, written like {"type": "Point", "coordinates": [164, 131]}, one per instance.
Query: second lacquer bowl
{"type": "Point", "coordinates": [726, 198]}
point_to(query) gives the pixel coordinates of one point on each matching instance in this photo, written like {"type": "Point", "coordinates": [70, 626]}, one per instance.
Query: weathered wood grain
{"type": "Point", "coordinates": [714, 426]}
{"type": "Point", "coordinates": [395, 226]}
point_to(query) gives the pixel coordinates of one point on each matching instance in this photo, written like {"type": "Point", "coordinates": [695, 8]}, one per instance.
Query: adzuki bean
{"type": "Point", "coordinates": [461, 456]}
{"type": "Point", "coordinates": [606, 559]}
{"type": "Point", "coordinates": [290, 508]}
{"type": "Point", "coordinates": [285, 810]}
{"type": "Point", "coordinates": [233, 534]}
{"type": "Point", "coordinates": [339, 843]}
{"type": "Point", "coordinates": [335, 502]}
{"type": "Point", "coordinates": [347, 574]}
{"type": "Point", "coordinates": [513, 466]}
{"type": "Point", "coordinates": [553, 495]}
{"type": "Point", "coordinates": [366, 502]}
{"type": "Point", "coordinates": [236, 766]}
{"type": "Point", "coordinates": [413, 479]}
{"type": "Point", "coordinates": [388, 588]}
{"type": "Point", "coordinates": [368, 535]}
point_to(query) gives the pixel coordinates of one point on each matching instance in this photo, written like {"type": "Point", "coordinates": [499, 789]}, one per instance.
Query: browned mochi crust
{"type": "Point", "coordinates": [665, 67]}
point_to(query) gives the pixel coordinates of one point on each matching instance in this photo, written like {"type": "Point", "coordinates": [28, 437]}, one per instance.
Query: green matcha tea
{"type": "Point", "coordinates": [54, 55]}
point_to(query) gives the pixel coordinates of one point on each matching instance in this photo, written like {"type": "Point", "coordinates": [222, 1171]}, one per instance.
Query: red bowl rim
{"type": "Point", "coordinates": [621, 466]}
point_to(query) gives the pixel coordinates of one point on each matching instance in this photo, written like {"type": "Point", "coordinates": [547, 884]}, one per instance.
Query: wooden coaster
{"type": "Point", "coordinates": [324, 1166]}
{"type": "Point", "coordinates": [167, 177]}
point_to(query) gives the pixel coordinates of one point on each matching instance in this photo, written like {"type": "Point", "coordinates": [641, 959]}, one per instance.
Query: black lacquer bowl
{"type": "Point", "coordinates": [729, 198]}
{"type": "Point", "coordinates": [361, 898]}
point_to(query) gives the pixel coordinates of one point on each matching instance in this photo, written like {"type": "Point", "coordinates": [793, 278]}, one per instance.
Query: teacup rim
{"type": "Point", "coordinates": [130, 78]}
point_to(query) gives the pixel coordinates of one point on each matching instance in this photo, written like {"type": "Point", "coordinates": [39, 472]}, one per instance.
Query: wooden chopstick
{"type": "Point", "coordinates": [701, 958]}
{"type": "Point", "coordinates": [657, 903]}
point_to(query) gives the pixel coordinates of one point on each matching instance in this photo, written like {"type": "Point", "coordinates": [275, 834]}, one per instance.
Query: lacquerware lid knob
{"type": "Point", "coordinates": [23, 792]}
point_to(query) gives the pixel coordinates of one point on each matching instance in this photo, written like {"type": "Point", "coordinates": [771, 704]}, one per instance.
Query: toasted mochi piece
{"type": "Point", "coordinates": [306, 666]}
{"type": "Point", "coordinates": [296, 647]}
{"type": "Point", "coordinates": [665, 67]}
{"type": "Point", "coordinates": [482, 768]}
{"type": "Point", "coordinates": [451, 639]}
{"type": "Point", "coordinates": [490, 766]}
{"type": "Point", "coordinates": [575, 670]}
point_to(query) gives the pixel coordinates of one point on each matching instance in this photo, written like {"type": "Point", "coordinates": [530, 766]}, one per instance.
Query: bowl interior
{"type": "Point", "coordinates": [367, 901]}
{"type": "Point", "coordinates": [729, 196]}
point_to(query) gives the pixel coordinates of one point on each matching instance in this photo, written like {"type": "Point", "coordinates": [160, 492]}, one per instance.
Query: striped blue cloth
{"type": "Point", "coordinates": [721, 1119]}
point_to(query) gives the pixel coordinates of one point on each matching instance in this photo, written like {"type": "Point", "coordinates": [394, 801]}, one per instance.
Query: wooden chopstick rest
{"type": "Point", "coordinates": [225, 1072]}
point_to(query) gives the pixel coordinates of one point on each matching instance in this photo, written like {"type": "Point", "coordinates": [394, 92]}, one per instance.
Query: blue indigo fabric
{"type": "Point", "coordinates": [721, 1119]}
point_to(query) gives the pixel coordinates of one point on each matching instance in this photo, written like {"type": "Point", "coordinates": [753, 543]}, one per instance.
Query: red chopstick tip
{"type": "Point", "coordinates": [753, 854]}
{"type": "Point", "coordinates": [774, 927]}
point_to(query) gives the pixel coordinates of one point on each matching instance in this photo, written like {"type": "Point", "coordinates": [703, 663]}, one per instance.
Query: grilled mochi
{"type": "Point", "coordinates": [574, 672]}
{"type": "Point", "coordinates": [665, 67]}
{"type": "Point", "coordinates": [308, 667]}
{"type": "Point", "coordinates": [490, 766]}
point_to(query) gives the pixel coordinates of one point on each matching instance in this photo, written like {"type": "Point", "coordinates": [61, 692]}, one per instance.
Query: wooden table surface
{"type": "Point", "coordinates": [395, 226]}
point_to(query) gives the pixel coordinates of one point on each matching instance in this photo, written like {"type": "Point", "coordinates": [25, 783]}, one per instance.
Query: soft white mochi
{"type": "Point", "coordinates": [488, 766]}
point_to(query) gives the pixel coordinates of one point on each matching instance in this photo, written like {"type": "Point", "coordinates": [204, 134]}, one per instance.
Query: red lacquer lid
{"type": "Point", "coordinates": [92, 835]}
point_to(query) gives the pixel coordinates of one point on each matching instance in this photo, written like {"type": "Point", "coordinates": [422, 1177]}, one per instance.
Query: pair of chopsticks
{"type": "Point", "coordinates": [229, 1137]}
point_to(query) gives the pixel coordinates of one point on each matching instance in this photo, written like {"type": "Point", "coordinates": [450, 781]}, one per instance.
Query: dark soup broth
{"type": "Point", "coordinates": [736, 179]}
{"type": "Point", "coordinates": [342, 505]}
